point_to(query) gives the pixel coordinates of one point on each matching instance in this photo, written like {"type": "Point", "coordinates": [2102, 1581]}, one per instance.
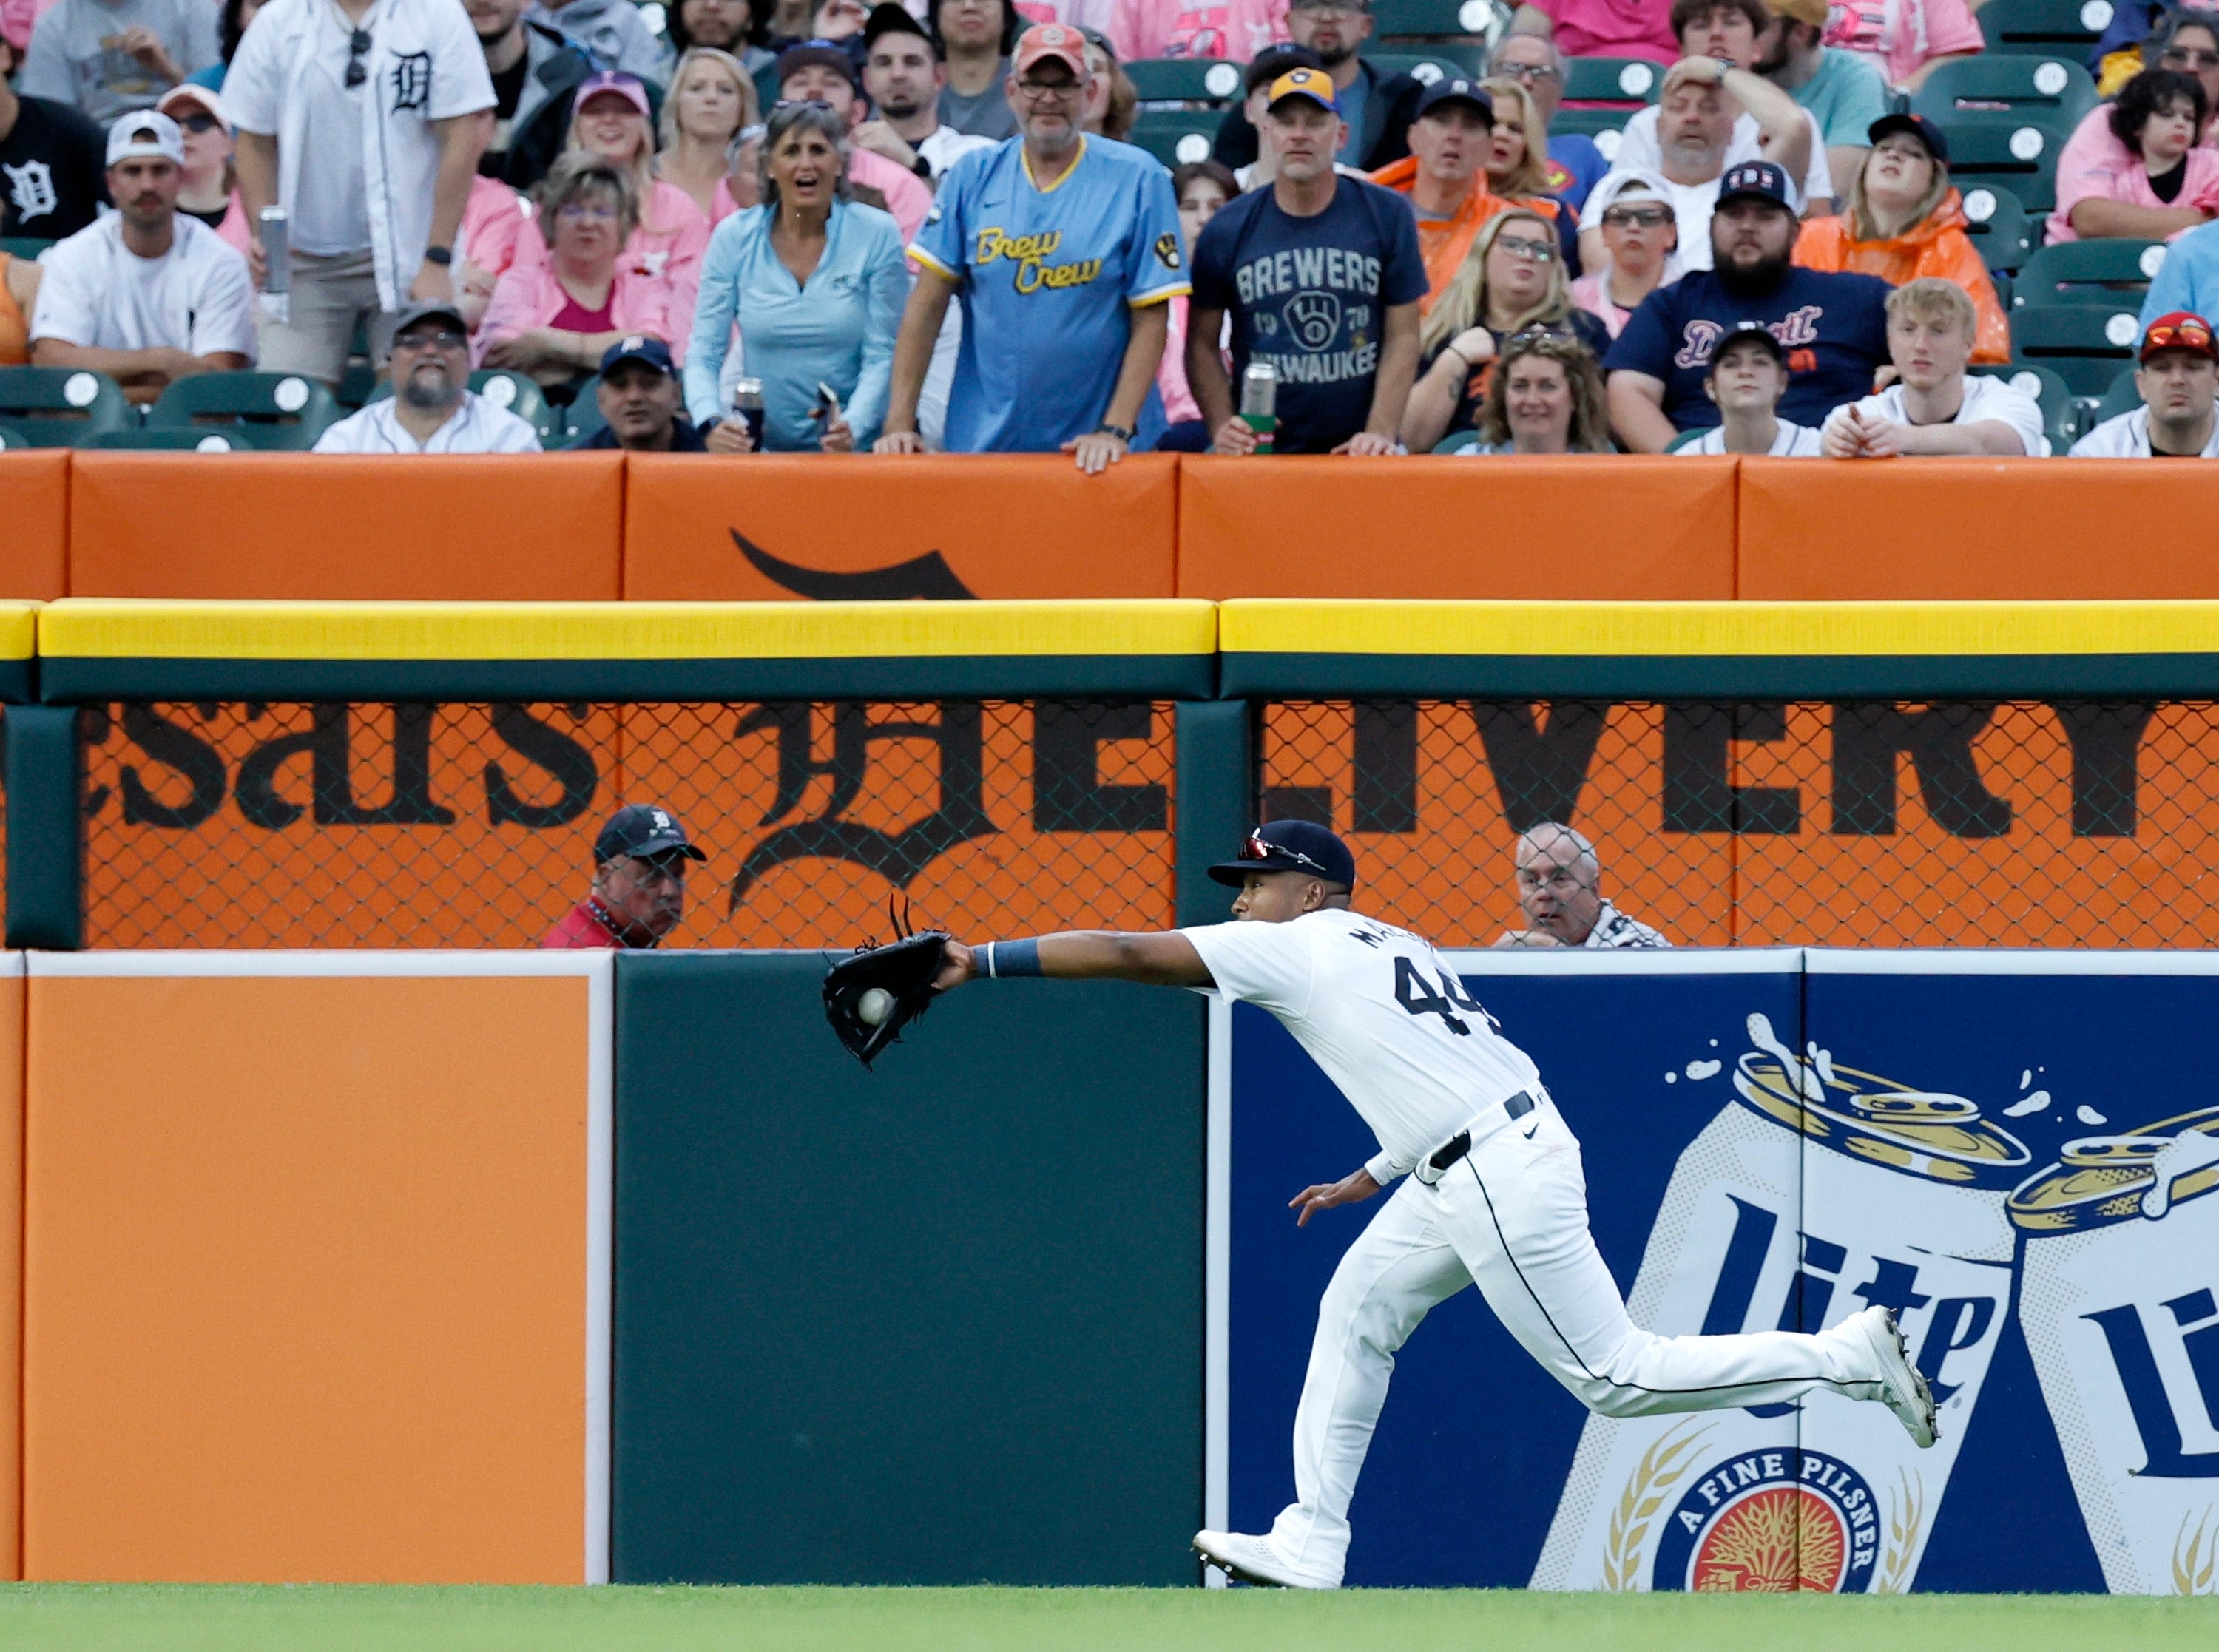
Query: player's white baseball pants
{"type": "Point", "coordinates": [1512, 1217]}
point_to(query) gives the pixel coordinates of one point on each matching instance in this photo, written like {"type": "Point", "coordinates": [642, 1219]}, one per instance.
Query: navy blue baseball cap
{"type": "Point", "coordinates": [1758, 180]}
{"type": "Point", "coordinates": [1455, 90]}
{"type": "Point", "coordinates": [1918, 126]}
{"type": "Point", "coordinates": [639, 347]}
{"type": "Point", "coordinates": [644, 829]}
{"type": "Point", "coordinates": [1290, 846]}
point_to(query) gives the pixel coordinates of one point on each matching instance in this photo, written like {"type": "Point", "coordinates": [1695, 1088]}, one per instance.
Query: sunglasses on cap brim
{"type": "Point", "coordinates": [2179, 335]}
{"type": "Point", "coordinates": [1255, 848]}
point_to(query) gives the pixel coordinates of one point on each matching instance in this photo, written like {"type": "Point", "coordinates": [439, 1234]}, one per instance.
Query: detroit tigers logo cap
{"type": "Point", "coordinates": [1290, 846]}
{"type": "Point", "coordinates": [643, 829]}
{"type": "Point", "coordinates": [1757, 180]}
{"type": "Point", "coordinates": [1313, 84]}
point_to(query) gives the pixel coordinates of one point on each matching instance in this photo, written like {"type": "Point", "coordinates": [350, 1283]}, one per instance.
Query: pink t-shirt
{"type": "Point", "coordinates": [492, 219]}
{"type": "Point", "coordinates": [1591, 296]}
{"type": "Point", "coordinates": [2096, 165]}
{"type": "Point", "coordinates": [1179, 404]}
{"type": "Point", "coordinates": [1612, 28]}
{"type": "Point", "coordinates": [1897, 36]}
{"type": "Point", "coordinates": [1238, 29]}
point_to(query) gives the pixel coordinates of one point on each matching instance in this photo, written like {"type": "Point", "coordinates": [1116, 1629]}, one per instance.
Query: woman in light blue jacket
{"type": "Point", "coordinates": [816, 284]}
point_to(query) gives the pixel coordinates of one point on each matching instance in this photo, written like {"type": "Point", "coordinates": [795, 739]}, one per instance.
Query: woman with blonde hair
{"type": "Point", "coordinates": [1905, 221]}
{"type": "Point", "coordinates": [1511, 279]}
{"type": "Point", "coordinates": [1545, 396]}
{"type": "Point", "coordinates": [1518, 159]}
{"type": "Point", "coordinates": [711, 98]}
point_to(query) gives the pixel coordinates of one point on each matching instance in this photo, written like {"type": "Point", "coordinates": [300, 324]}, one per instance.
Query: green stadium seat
{"type": "Point", "coordinates": [2085, 344]}
{"type": "Point", "coordinates": [1432, 20]}
{"type": "Point", "coordinates": [1457, 442]}
{"type": "Point", "coordinates": [2116, 274]}
{"type": "Point", "coordinates": [2045, 27]}
{"type": "Point", "coordinates": [2122, 398]}
{"type": "Point", "coordinates": [583, 414]}
{"type": "Point", "coordinates": [1211, 81]}
{"type": "Point", "coordinates": [2021, 156]}
{"type": "Point", "coordinates": [23, 247]}
{"type": "Point", "coordinates": [518, 393]}
{"type": "Point", "coordinates": [1686, 439]}
{"type": "Point", "coordinates": [1998, 225]}
{"type": "Point", "coordinates": [62, 407]}
{"type": "Point", "coordinates": [169, 439]}
{"type": "Point", "coordinates": [2061, 416]}
{"type": "Point", "coordinates": [1612, 80]}
{"type": "Point", "coordinates": [1175, 136]}
{"type": "Point", "coordinates": [1967, 91]}
{"type": "Point", "coordinates": [1427, 66]}
{"type": "Point", "coordinates": [1606, 127]}
{"type": "Point", "coordinates": [278, 413]}
{"type": "Point", "coordinates": [10, 437]}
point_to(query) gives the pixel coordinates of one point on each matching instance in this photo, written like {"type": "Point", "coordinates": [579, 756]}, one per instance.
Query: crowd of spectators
{"type": "Point", "coordinates": [827, 227]}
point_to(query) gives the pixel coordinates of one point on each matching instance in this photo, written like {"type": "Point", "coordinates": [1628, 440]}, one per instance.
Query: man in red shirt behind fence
{"type": "Point", "coordinates": [638, 891]}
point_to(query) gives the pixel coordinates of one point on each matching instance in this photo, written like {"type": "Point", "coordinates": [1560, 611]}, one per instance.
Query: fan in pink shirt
{"type": "Point", "coordinates": [1904, 39]}
{"type": "Point", "coordinates": [1603, 28]}
{"type": "Point", "coordinates": [2147, 176]}
{"type": "Point", "coordinates": [1238, 29]}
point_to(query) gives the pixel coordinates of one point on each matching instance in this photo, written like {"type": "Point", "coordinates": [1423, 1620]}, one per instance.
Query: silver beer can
{"type": "Point", "coordinates": [1817, 1189]}
{"type": "Point", "coordinates": [2119, 1302]}
{"type": "Point", "coordinates": [276, 228]}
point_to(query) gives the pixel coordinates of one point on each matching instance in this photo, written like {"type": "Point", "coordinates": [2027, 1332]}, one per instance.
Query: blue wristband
{"type": "Point", "coordinates": [1009, 958]}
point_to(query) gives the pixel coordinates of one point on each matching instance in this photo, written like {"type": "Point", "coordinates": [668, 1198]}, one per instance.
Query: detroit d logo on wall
{"type": "Point", "coordinates": [1772, 1521]}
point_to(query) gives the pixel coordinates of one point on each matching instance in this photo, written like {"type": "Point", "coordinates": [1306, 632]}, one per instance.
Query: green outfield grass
{"type": "Point", "coordinates": [161, 1618]}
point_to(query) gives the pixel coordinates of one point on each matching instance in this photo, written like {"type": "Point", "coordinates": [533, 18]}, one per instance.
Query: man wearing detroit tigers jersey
{"type": "Point", "coordinates": [1495, 1196]}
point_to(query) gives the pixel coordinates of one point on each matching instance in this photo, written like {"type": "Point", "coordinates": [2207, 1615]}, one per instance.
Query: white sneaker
{"type": "Point", "coordinates": [1254, 1560]}
{"type": "Point", "coordinates": [1902, 1389]}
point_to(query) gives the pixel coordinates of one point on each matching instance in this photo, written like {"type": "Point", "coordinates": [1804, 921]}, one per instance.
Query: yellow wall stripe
{"type": "Point", "coordinates": [19, 629]}
{"type": "Point", "coordinates": [117, 629]}
{"type": "Point", "coordinates": [1268, 625]}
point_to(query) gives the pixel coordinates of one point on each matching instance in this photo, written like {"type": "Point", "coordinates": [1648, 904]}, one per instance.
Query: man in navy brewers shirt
{"type": "Point", "coordinates": [1833, 327]}
{"type": "Point", "coordinates": [1322, 276]}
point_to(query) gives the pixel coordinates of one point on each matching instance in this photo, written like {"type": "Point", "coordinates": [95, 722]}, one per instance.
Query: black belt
{"type": "Point", "coordinates": [1460, 1143]}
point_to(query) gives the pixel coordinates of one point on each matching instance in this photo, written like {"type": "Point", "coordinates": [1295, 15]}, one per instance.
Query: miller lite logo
{"type": "Point", "coordinates": [1776, 1520]}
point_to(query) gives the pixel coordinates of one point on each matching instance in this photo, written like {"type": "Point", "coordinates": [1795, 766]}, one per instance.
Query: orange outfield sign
{"type": "Point", "coordinates": [35, 551]}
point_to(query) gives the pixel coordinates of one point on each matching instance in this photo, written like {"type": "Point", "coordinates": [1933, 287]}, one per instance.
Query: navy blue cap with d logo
{"type": "Point", "coordinates": [1756, 179]}
{"type": "Point", "coordinates": [1290, 846]}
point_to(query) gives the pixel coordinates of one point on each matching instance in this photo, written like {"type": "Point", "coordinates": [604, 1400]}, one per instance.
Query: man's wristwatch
{"type": "Point", "coordinates": [1122, 432]}
{"type": "Point", "coordinates": [922, 168]}
{"type": "Point", "coordinates": [439, 255]}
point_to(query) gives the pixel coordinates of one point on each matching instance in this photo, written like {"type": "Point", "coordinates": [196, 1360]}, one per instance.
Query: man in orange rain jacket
{"type": "Point", "coordinates": [1445, 176]}
{"type": "Point", "coordinates": [1903, 221]}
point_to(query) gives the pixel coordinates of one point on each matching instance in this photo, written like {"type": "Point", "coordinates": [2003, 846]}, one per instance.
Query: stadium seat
{"type": "Point", "coordinates": [2085, 344]}
{"type": "Point", "coordinates": [1611, 80]}
{"type": "Point", "coordinates": [1175, 136]}
{"type": "Point", "coordinates": [516, 392]}
{"type": "Point", "coordinates": [23, 247]}
{"type": "Point", "coordinates": [62, 407]}
{"type": "Point", "coordinates": [10, 437]}
{"type": "Point", "coordinates": [278, 413]}
{"type": "Point", "coordinates": [2061, 416]}
{"type": "Point", "coordinates": [2022, 157]}
{"type": "Point", "coordinates": [175, 439]}
{"type": "Point", "coordinates": [2116, 274]}
{"type": "Point", "coordinates": [2122, 398]}
{"type": "Point", "coordinates": [584, 414]}
{"type": "Point", "coordinates": [1212, 81]}
{"type": "Point", "coordinates": [2045, 27]}
{"type": "Point", "coordinates": [1457, 442]}
{"type": "Point", "coordinates": [1454, 32]}
{"type": "Point", "coordinates": [1427, 66]}
{"type": "Point", "coordinates": [1998, 225]}
{"type": "Point", "coordinates": [1967, 91]}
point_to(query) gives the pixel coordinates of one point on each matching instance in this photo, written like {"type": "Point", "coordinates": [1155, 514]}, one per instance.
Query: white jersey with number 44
{"type": "Point", "coordinates": [1383, 1014]}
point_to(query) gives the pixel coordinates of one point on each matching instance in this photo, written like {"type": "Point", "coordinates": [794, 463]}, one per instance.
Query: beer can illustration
{"type": "Point", "coordinates": [1818, 1191]}
{"type": "Point", "coordinates": [2119, 1300]}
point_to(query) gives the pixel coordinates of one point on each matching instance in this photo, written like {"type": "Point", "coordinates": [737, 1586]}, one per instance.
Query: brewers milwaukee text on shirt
{"type": "Point", "coordinates": [1048, 279]}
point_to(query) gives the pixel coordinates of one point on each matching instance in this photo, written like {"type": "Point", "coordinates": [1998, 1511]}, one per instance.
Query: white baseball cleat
{"type": "Point", "coordinates": [1902, 1389]}
{"type": "Point", "coordinates": [1254, 1560]}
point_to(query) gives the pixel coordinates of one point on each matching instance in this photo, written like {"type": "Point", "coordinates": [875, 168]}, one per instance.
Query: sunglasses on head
{"type": "Point", "coordinates": [1255, 848]}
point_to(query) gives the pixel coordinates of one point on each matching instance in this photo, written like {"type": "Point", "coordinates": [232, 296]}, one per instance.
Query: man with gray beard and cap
{"type": "Point", "coordinates": [1560, 889]}
{"type": "Point", "coordinates": [431, 410]}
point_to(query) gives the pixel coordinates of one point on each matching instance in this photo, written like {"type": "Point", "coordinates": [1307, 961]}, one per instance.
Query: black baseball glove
{"type": "Point", "coordinates": [904, 969]}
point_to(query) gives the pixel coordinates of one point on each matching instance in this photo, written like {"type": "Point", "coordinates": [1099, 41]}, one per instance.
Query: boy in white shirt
{"type": "Point", "coordinates": [1748, 377]}
{"type": "Point", "coordinates": [146, 295]}
{"type": "Point", "coordinates": [1934, 407]}
{"type": "Point", "coordinates": [2178, 379]}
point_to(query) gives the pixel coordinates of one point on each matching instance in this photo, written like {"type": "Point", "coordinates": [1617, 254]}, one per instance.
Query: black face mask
{"type": "Point", "coordinates": [1759, 281]}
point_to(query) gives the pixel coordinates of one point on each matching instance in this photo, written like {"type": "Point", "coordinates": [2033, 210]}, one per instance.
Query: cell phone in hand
{"type": "Point", "coordinates": [828, 404]}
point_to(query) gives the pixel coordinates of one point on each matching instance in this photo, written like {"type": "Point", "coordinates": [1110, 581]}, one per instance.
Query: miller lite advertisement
{"type": "Point", "coordinates": [2016, 1153]}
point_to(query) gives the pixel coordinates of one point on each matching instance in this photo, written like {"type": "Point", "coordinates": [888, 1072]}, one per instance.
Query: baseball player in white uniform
{"type": "Point", "coordinates": [1494, 1196]}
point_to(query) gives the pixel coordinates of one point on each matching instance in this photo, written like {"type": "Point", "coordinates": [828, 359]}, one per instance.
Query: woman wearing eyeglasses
{"type": "Point", "coordinates": [1904, 221]}
{"type": "Point", "coordinates": [1511, 279]}
{"type": "Point", "coordinates": [1640, 229]}
{"type": "Point", "coordinates": [554, 319]}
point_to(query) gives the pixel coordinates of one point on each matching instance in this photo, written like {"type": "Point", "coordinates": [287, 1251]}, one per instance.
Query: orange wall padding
{"type": "Point", "coordinates": [307, 1278]}
{"type": "Point", "coordinates": [11, 1273]}
{"type": "Point", "coordinates": [34, 524]}
{"type": "Point", "coordinates": [320, 527]}
{"type": "Point", "coordinates": [1629, 529]}
{"type": "Point", "coordinates": [1001, 526]}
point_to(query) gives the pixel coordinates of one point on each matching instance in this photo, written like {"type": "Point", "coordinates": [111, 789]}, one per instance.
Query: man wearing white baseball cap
{"type": "Point", "coordinates": [144, 295]}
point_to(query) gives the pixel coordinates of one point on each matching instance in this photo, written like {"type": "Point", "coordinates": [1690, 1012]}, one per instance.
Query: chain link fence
{"type": "Point", "coordinates": [252, 824]}
{"type": "Point", "coordinates": [2018, 823]}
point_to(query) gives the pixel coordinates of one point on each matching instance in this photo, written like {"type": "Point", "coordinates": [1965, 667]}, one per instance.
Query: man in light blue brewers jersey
{"type": "Point", "coordinates": [1065, 248]}
{"type": "Point", "coordinates": [1494, 1194]}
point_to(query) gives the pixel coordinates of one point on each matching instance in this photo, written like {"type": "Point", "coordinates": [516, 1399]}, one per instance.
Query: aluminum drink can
{"type": "Point", "coordinates": [747, 406]}
{"type": "Point", "coordinates": [276, 226]}
{"type": "Point", "coordinates": [1259, 403]}
{"type": "Point", "coordinates": [2119, 1302]}
{"type": "Point", "coordinates": [1818, 1190]}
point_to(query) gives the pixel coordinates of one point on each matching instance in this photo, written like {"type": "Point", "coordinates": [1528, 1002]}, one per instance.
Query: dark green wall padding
{"type": "Point", "coordinates": [938, 1324]}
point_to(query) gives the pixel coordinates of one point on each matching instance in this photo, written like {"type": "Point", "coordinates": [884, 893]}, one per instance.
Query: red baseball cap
{"type": "Point", "coordinates": [2180, 330]}
{"type": "Point", "coordinates": [1046, 42]}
